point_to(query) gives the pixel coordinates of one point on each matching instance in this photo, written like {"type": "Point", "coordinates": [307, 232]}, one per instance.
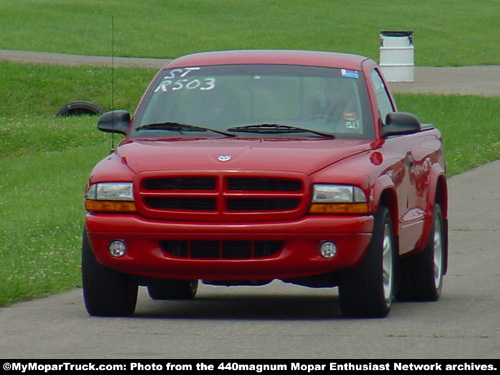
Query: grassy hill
{"type": "Point", "coordinates": [447, 32]}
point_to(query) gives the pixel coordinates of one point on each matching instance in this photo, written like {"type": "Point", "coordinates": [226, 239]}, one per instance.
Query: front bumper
{"type": "Point", "coordinates": [298, 256]}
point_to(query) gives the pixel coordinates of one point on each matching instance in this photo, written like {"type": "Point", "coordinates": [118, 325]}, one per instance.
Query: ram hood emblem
{"type": "Point", "coordinates": [224, 157]}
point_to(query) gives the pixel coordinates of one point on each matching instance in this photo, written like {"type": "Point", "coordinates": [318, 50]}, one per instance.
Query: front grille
{"type": "Point", "coordinates": [261, 204]}
{"type": "Point", "coordinates": [178, 203]}
{"type": "Point", "coordinates": [221, 249]}
{"type": "Point", "coordinates": [263, 184]}
{"type": "Point", "coordinates": [225, 197]}
{"type": "Point", "coordinates": [180, 183]}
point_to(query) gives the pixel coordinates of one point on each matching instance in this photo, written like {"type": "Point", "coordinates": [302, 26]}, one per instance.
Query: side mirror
{"type": "Point", "coordinates": [399, 123]}
{"type": "Point", "coordinates": [114, 122]}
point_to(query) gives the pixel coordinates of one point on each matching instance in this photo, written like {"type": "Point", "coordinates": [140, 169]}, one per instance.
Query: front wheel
{"type": "Point", "coordinates": [367, 290]}
{"type": "Point", "coordinates": [105, 292]}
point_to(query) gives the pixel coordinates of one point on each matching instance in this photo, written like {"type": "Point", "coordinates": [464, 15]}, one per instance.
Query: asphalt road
{"type": "Point", "coordinates": [286, 321]}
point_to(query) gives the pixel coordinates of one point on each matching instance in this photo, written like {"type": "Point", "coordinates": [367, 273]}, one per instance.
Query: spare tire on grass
{"type": "Point", "coordinates": [79, 108]}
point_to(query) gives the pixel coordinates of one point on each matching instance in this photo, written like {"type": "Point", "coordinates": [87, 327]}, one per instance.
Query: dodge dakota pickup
{"type": "Point", "coordinates": [243, 167]}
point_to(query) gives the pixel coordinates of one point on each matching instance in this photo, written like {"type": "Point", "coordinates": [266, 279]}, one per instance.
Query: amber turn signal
{"type": "Point", "coordinates": [339, 208]}
{"type": "Point", "coordinates": [109, 206]}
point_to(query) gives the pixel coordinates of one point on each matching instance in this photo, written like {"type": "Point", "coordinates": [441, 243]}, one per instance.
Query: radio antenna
{"type": "Point", "coordinates": [113, 78]}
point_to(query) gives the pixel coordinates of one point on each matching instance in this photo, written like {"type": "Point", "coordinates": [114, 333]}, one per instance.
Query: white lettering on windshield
{"type": "Point", "coordinates": [177, 79]}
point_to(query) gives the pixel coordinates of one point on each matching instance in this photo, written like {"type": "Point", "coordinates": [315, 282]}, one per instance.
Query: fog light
{"type": "Point", "coordinates": [117, 248]}
{"type": "Point", "coordinates": [328, 249]}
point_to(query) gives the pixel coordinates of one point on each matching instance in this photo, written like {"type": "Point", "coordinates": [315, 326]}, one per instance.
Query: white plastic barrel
{"type": "Point", "coordinates": [396, 56]}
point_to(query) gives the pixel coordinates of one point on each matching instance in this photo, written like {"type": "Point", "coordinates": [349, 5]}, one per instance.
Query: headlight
{"type": "Point", "coordinates": [110, 197]}
{"type": "Point", "coordinates": [338, 199]}
{"type": "Point", "coordinates": [111, 191]}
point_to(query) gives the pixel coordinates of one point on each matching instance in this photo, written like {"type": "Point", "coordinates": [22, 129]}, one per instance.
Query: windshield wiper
{"type": "Point", "coordinates": [176, 126]}
{"type": "Point", "coordinates": [277, 129]}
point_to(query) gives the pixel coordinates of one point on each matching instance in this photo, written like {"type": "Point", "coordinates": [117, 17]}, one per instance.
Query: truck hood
{"type": "Point", "coordinates": [304, 156]}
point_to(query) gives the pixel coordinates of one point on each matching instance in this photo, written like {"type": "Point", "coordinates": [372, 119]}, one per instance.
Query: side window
{"type": "Point", "coordinates": [383, 101]}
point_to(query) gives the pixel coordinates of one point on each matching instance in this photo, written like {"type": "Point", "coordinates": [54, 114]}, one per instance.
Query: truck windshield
{"type": "Point", "coordinates": [228, 98]}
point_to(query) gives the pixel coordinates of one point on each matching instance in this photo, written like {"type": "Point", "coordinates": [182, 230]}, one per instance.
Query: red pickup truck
{"type": "Point", "coordinates": [242, 167]}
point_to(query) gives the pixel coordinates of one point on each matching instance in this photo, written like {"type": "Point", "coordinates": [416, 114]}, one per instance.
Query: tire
{"type": "Point", "coordinates": [105, 292]}
{"type": "Point", "coordinates": [422, 274]}
{"type": "Point", "coordinates": [367, 291]}
{"type": "Point", "coordinates": [79, 108]}
{"type": "Point", "coordinates": [173, 289]}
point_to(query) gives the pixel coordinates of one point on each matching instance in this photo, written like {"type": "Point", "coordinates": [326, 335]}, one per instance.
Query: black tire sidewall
{"type": "Point", "coordinates": [361, 290]}
{"type": "Point", "coordinates": [417, 271]}
{"type": "Point", "coordinates": [105, 292]}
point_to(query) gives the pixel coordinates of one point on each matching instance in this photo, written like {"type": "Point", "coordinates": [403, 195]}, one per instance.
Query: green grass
{"type": "Point", "coordinates": [470, 126]}
{"type": "Point", "coordinates": [41, 90]}
{"type": "Point", "coordinates": [447, 32]}
{"type": "Point", "coordinates": [41, 214]}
